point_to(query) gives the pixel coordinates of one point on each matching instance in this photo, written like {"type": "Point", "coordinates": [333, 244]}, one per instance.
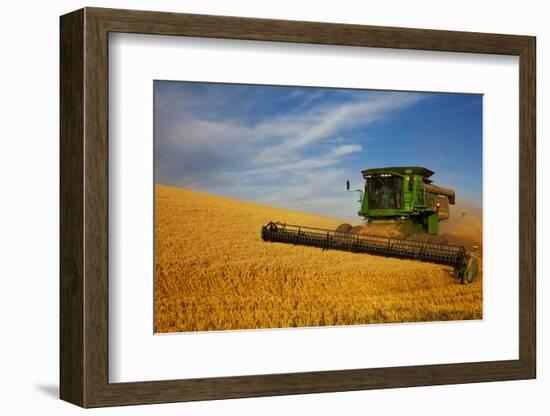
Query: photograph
{"type": "Point", "coordinates": [281, 206]}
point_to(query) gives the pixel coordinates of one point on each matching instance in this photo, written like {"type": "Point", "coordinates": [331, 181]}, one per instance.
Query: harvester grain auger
{"type": "Point", "coordinates": [404, 197]}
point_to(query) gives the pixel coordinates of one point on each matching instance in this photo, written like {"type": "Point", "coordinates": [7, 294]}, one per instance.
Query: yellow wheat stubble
{"type": "Point", "coordinates": [213, 272]}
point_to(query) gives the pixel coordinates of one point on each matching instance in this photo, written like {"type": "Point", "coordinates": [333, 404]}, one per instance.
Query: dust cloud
{"type": "Point", "coordinates": [465, 226]}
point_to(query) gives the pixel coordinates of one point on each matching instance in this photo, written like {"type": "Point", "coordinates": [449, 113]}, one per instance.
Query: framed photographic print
{"type": "Point", "coordinates": [255, 207]}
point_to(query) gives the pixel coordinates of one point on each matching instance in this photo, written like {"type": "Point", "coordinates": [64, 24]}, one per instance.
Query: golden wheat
{"type": "Point", "coordinates": [213, 272]}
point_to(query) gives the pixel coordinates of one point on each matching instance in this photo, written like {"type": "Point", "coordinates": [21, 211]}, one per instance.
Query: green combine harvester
{"type": "Point", "coordinates": [403, 198]}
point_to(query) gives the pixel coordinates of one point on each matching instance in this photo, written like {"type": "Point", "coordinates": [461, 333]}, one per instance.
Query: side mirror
{"type": "Point", "coordinates": [347, 185]}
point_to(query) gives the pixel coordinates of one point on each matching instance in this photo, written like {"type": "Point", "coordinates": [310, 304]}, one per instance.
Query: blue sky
{"type": "Point", "coordinates": [294, 147]}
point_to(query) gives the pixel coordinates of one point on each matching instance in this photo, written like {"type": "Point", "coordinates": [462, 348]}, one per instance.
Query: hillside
{"type": "Point", "coordinates": [213, 272]}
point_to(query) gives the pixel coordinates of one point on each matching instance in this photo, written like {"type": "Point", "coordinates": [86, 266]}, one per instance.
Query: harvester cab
{"type": "Point", "coordinates": [405, 196]}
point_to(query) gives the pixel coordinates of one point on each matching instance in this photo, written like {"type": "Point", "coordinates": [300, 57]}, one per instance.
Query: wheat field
{"type": "Point", "coordinates": [213, 272]}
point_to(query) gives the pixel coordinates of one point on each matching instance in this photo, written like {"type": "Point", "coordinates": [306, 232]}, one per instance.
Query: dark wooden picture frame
{"type": "Point", "coordinates": [84, 207]}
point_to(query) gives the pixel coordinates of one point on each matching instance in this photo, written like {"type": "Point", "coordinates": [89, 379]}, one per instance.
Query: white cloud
{"type": "Point", "coordinates": [346, 149]}
{"type": "Point", "coordinates": [322, 192]}
{"type": "Point", "coordinates": [281, 138]}
{"type": "Point", "coordinates": [331, 158]}
{"type": "Point", "coordinates": [319, 125]}
{"type": "Point", "coordinates": [294, 158]}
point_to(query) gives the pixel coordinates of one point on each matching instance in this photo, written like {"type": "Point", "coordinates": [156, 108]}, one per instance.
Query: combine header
{"type": "Point", "coordinates": [400, 196]}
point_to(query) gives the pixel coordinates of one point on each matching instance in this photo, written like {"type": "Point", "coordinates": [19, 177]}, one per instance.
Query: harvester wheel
{"type": "Point", "coordinates": [472, 271]}
{"type": "Point", "coordinates": [469, 275]}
